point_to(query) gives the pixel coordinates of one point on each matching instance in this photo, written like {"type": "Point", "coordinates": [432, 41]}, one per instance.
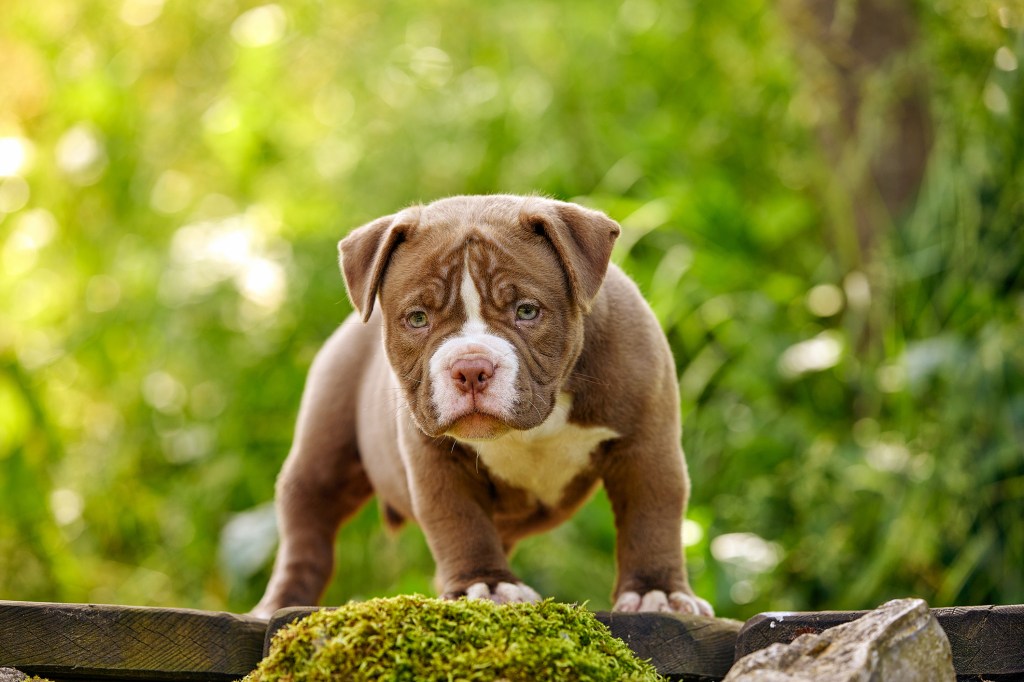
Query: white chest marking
{"type": "Point", "coordinates": [546, 458]}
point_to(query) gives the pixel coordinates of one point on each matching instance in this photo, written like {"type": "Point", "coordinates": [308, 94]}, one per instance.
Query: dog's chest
{"type": "Point", "coordinates": [545, 459]}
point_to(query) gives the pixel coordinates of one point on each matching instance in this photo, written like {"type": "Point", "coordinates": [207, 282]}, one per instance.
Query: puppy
{"type": "Point", "coordinates": [526, 371]}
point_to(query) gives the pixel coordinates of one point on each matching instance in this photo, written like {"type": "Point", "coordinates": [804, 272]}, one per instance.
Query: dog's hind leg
{"type": "Point", "coordinates": [322, 483]}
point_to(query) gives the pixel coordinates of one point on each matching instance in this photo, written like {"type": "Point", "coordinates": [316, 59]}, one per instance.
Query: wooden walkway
{"type": "Point", "coordinates": [93, 642]}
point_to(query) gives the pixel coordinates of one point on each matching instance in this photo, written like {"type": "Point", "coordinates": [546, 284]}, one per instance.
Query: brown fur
{"type": "Point", "coordinates": [367, 424]}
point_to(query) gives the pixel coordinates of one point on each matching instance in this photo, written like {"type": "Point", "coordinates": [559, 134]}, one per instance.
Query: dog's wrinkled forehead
{"type": "Point", "coordinates": [579, 239]}
{"type": "Point", "coordinates": [455, 238]}
{"type": "Point", "coordinates": [469, 280]}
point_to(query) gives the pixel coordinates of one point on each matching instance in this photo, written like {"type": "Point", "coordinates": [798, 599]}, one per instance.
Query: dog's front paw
{"type": "Point", "coordinates": [499, 593]}
{"type": "Point", "coordinates": [656, 600]}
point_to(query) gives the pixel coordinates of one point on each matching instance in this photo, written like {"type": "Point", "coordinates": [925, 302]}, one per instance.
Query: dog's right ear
{"type": "Point", "coordinates": [365, 252]}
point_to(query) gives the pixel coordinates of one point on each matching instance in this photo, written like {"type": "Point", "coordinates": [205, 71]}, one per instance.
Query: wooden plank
{"type": "Point", "coordinates": [66, 641]}
{"type": "Point", "coordinates": [987, 641]}
{"type": "Point", "coordinates": [682, 647]}
{"type": "Point", "coordinates": [692, 648]}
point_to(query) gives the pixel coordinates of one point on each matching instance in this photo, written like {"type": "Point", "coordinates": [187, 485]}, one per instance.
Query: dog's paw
{"type": "Point", "coordinates": [500, 593]}
{"type": "Point", "coordinates": [656, 600]}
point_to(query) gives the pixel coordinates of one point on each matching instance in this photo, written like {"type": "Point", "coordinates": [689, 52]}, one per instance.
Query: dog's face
{"type": "Point", "coordinates": [482, 301]}
{"type": "Point", "coordinates": [478, 327]}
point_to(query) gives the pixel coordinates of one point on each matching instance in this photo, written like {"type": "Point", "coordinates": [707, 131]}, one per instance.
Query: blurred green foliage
{"type": "Point", "coordinates": [174, 177]}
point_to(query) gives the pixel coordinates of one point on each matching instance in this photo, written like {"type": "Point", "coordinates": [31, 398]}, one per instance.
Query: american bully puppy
{"type": "Point", "coordinates": [505, 371]}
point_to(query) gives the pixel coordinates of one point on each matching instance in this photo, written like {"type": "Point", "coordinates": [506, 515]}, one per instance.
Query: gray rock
{"type": "Point", "coordinates": [12, 675]}
{"type": "Point", "coordinates": [899, 641]}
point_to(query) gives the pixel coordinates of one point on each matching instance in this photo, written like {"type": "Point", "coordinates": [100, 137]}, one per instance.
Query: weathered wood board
{"type": "Point", "coordinates": [93, 642]}
{"type": "Point", "coordinates": [691, 648]}
{"type": "Point", "coordinates": [682, 647]}
{"type": "Point", "coordinates": [987, 641]}
{"type": "Point", "coordinates": [86, 641]}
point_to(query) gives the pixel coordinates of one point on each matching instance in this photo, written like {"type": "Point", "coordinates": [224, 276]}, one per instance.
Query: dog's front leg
{"type": "Point", "coordinates": [453, 508]}
{"type": "Point", "coordinates": [648, 490]}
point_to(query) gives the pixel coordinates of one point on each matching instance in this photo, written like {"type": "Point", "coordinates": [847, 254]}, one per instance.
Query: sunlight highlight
{"type": "Point", "coordinates": [747, 550]}
{"type": "Point", "coordinates": [14, 155]}
{"type": "Point", "coordinates": [235, 249]}
{"type": "Point", "coordinates": [141, 12]}
{"type": "Point", "coordinates": [260, 26]}
{"type": "Point", "coordinates": [822, 352]}
{"type": "Point", "coordinates": [693, 533]}
{"type": "Point", "coordinates": [66, 505]}
{"type": "Point", "coordinates": [81, 154]}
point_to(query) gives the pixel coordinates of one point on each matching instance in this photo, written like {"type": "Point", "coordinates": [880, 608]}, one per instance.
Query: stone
{"type": "Point", "coordinates": [12, 675]}
{"type": "Point", "coordinates": [898, 641]}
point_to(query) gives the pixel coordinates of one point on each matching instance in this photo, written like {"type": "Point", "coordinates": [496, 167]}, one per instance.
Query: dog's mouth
{"type": "Point", "coordinates": [477, 426]}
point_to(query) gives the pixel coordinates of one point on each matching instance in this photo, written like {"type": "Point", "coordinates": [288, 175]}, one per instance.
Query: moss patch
{"type": "Point", "coordinates": [417, 638]}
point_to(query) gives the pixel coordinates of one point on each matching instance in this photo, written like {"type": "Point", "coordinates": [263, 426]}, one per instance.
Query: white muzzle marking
{"type": "Point", "coordinates": [473, 341]}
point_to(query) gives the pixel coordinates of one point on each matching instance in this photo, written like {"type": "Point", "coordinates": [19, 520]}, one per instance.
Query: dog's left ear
{"type": "Point", "coordinates": [365, 252]}
{"type": "Point", "coordinates": [582, 238]}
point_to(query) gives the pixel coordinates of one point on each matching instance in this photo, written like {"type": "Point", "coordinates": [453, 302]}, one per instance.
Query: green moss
{"type": "Point", "coordinates": [417, 638]}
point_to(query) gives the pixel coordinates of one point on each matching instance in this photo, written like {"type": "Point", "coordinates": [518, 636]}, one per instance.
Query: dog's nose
{"type": "Point", "coordinates": [472, 374]}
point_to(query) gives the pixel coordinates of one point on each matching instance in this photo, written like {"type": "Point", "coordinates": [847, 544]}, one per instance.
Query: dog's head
{"type": "Point", "coordinates": [482, 300]}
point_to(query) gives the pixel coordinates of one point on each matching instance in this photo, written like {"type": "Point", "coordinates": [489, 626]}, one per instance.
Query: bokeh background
{"type": "Point", "coordinates": [822, 199]}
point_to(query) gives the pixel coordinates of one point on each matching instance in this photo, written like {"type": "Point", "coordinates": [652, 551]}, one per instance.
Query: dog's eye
{"type": "Point", "coordinates": [527, 311]}
{"type": "Point", "coordinates": [417, 319]}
